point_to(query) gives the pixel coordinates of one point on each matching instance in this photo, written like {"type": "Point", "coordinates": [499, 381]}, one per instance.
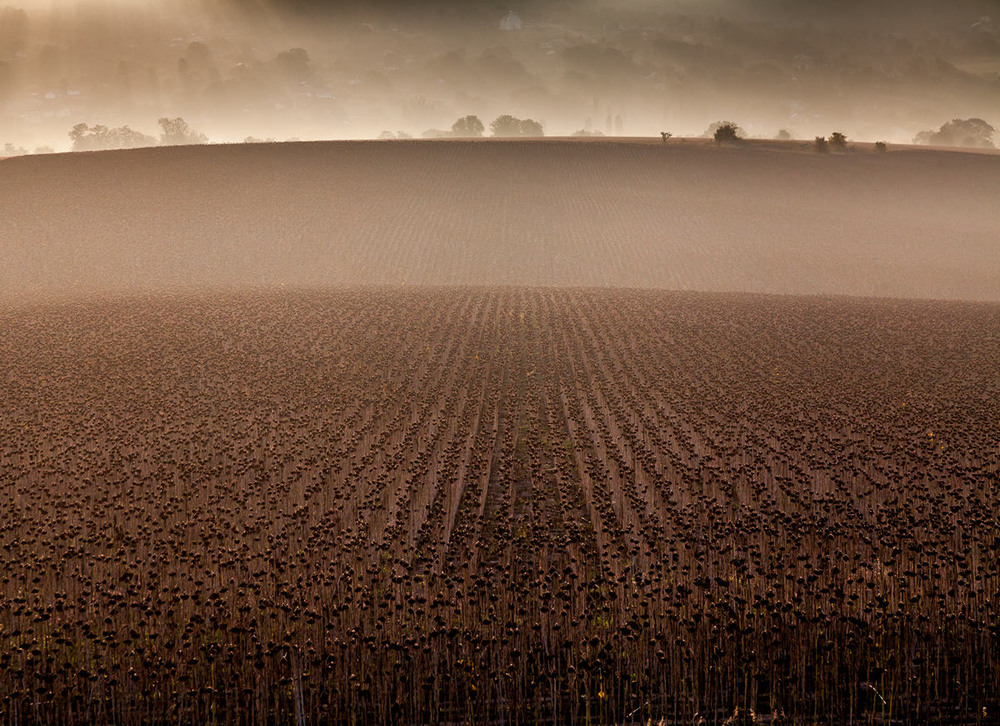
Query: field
{"type": "Point", "coordinates": [765, 217]}
{"type": "Point", "coordinates": [499, 505]}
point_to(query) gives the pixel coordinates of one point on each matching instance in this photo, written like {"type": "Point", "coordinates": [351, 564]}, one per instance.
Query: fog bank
{"type": "Point", "coordinates": [283, 69]}
{"type": "Point", "coordinates": [771, 218]}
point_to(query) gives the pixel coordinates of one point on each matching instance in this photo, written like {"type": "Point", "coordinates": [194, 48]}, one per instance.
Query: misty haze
{"type": "Point", "coordinates": [473, 363]}
{"type": "Point", "coordinates": [238, 70]}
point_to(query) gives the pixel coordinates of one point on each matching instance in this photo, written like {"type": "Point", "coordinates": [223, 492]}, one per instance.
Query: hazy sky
{"type": "Point", "coordinates": [351, 69]}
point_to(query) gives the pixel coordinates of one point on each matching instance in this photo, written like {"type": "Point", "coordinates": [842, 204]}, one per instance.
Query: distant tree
{"type": "Point", "coordinates": [726, 132]}
{"type": "Point", "coordinates": [80, 136]}
{"type": "Point", "coordinates": [386, 135]}
{"type": "Point", "coordinates": [821, 145]}
{"type": "Point", "coordinates": [403, 135]}
{"type": "Point", "coordinates": [587, 132]}
{"type": "Point", "coordinates": [881, 147]}
{"type": "Point", "coordinates": [10, 150]}
{"type": "Point", "coordinates": [971, 132]}
{"type": "Point", "coordinates": [714, 127]}
{"type": "Point", "coordinates": [665, 135]}
{"type": "Point", "coordinates": [93, 138]}
{"type": "Point", "coordinates": [530, 127]}
{"type": "Point", "coordinates": [784, 135]}
{"type": "Point", "coordinates": [176, 132]}
{"type": "Point", "coordinates": [838, 141]}
{"type": "Point", "coordinates": [468, 127]}
{"type": "Point", "coordinates": [508, 126]}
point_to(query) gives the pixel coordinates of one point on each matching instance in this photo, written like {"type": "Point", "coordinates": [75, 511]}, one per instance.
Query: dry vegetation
{"type": "Point", "coordinates": [764, 217]}
{"type": "Point", "coordinates": [499, 506]}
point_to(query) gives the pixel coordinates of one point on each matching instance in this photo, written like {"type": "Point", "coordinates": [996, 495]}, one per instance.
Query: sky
{"type": "Point", "coordinates": [304, 69]}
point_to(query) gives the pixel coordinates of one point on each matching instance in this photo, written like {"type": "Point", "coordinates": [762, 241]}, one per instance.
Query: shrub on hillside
{"type": "Point", "coordinates": [838, 141]}
{"type": "Point", "coordinates": [725, 132]}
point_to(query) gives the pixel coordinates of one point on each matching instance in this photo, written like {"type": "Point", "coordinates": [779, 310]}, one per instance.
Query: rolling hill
{"type": "Point", "coordinates": [763, 217]}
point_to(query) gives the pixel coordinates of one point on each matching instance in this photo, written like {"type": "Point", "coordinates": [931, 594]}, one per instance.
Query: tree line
{"type": "Point", "coordinates": [173, 132]}
{"type": "Point", "coordinates": [471, 127]}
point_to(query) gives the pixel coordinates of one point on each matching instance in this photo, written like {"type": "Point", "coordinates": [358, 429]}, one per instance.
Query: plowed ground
{"type": "Point", "coordinates": [506, 505]}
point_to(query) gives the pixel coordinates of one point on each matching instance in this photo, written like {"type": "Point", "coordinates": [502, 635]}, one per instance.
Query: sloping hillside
{"type": "Point", "coordinates": [910, 223]}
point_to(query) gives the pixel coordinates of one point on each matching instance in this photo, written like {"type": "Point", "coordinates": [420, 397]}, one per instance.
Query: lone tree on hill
{"type": "Point", "coordinates": [725, 132]}
{"type": "Point", "coordinates": [838, 141]}
{"type": "Point", "coordinates": [821, 145]}
{"type": "Point", "coordinates": [468, 127]}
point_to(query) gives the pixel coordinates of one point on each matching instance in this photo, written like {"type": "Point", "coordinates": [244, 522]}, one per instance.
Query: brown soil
{"type": "Point", "coordinates": [499, 506]}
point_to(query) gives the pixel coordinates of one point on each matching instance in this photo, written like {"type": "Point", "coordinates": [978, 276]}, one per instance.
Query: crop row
{"type": "Point", "coordinates": [510, 505]}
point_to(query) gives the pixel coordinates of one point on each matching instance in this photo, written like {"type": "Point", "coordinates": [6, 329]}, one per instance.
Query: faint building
{"type": "Point", "coordinates": [511, 22]}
